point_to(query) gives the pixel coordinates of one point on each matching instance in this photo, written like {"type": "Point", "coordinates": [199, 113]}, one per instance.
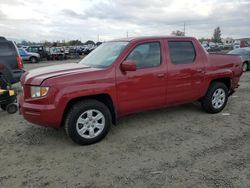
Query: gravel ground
{"type": "Point", "coordinates": [175, 147]}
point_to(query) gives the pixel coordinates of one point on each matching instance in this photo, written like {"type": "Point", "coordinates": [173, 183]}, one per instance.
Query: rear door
{"type": "Point", "coordinates": [185, 71]}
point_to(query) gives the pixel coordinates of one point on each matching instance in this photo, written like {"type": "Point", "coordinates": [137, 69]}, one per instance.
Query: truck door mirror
{"type": "Point", "coordinates": [128, 65]}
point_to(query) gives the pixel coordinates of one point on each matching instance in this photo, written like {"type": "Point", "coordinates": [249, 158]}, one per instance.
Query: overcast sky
{"type": "Point", "coordinates": [38, 20]}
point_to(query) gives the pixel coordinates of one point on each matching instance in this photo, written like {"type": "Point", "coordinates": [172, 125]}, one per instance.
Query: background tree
{"type": "Point", "coordinates": [217, 35]}
{"type": "Point", "coordinates": [178, 33]}
{"type": "Point", "coordinates": [90, 42]}
{"type": "Point", "coordinates": [74, 43]}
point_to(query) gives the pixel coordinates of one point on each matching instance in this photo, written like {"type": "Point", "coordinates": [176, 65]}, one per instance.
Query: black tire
{"type": "Point", "coordinates": [76, 111]}
{"type": "Point", "coordinates": [11, 108]}
{"type": "Point", "coordinates": [206, 102]}
{"type": "Point", "coordinates": [33, 60]}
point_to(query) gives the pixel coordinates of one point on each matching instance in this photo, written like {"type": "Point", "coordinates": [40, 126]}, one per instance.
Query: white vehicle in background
{"type": "Point", "coordinates": [236, 45]}
{"type": "Point", "coordinates": [212, 44]}
{"type": "Point", "coordinates": [220, 45]}
{"type": "Point", "coordinates": [205, 46]}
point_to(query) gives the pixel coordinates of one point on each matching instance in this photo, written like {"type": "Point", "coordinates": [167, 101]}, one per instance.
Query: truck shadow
{"type": "Point", "coordinates": [36, 135]}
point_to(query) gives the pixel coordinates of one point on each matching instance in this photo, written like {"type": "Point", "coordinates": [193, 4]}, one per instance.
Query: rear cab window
{"type": "Point", "coordinates": [181, 52]}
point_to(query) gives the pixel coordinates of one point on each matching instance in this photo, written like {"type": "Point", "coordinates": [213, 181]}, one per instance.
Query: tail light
{"type": "Point", "coordinates": [19, 62]}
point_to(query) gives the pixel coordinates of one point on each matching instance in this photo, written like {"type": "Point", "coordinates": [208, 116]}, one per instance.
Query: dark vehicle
{"type": "Point", "coordinates": [245, 54]}
{"type": "Point", "coordinates": [7, 95]}
{"type": "Point", "coordinates": [87, 50]}
{"type": "Point", "coordinates": [29, 56]}
{"type": "Point", "coordinates": [10, 58]}
{"type": "Point", "coordinates": [38, 49]}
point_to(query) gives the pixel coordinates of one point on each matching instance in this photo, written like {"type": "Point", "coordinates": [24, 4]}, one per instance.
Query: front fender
{"type": "Point", "coordinates": [63, 96]}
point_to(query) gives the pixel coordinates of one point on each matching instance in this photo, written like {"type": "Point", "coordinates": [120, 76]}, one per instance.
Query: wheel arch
{"type": "Point", "coordinates": [104, 98]}
{"type": "Point", "coordinates": [224, 80]}
{"type": "Point", "coordinates": [33, 57]}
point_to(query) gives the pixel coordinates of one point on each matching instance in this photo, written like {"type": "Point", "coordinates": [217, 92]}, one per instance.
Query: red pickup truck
{"type": "Point", "coordinates": [126, 76]}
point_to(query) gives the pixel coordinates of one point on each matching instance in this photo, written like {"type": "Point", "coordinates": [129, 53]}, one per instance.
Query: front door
{"type": "Point", "coordinates": [144, 88]}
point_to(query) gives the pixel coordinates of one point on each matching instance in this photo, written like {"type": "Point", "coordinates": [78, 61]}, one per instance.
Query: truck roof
{"type": "Point", "coordinates": [129, 39]}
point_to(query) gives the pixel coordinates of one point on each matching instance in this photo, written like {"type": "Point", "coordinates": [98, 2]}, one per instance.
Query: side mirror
{"type": "Point", "coordinates": [128, 65]}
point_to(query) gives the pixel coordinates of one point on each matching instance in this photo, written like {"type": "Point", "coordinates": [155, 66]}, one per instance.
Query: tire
{"type": "Point", "coordinates": [82, 127]}
{"type": "Point", "coordinates": [245, 66]}
{"type": "Point", "coordinates": [216, 98]}
{"type": "Point", "coordinates": [11, 108]}
{"type": "Point", "coordinates": [33, 60]}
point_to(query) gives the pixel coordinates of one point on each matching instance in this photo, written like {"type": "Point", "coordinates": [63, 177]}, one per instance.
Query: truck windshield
{"type": "Point", "coordinates": [104, 55]}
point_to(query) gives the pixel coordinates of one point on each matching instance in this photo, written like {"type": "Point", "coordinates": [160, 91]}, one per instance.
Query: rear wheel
{"type": "Point", "coordinates": [216, 98]}
{"type": "Point", "coordinates": [33, 60]}
{"type": "Point", "coordinates": [88, 122]}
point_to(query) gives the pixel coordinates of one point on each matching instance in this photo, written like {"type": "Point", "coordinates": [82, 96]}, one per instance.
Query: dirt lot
{"type": "Point", "coordinates": [175, 147]}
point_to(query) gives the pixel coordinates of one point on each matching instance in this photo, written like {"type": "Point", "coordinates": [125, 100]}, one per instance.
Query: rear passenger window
{"type": "Point", "coordinates": [5, 49]}
{"type": "Point", "coordinates": [181, 52]}
{"type": "Point", "coordinates": [146, 55]}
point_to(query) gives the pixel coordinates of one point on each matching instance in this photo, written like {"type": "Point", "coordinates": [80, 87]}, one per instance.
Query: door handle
{"type": "Point", "coordinates": [199, 70]}
{"type": "Point", "coordinates": [160, 75]}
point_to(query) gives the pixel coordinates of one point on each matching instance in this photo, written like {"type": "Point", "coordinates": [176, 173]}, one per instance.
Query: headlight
{"type": "Point", "coordinates": [37, 91]}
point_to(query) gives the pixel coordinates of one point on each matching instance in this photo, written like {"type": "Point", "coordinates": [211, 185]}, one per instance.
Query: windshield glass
{"type": "Point", "coordinates": [104, 55]}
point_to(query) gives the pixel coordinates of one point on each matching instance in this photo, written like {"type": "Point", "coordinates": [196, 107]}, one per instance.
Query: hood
{"type": "Point", "coordinates": [37, 76]}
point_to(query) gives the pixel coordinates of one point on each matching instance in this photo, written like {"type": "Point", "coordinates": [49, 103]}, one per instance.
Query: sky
{"type": "Point", "coordinates": [52, 20]}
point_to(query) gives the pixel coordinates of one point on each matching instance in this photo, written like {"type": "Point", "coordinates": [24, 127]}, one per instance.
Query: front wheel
{"type": "Point", "coordinates": [88, 122]}
{"type": "Point", "coordinates": [216, 98]}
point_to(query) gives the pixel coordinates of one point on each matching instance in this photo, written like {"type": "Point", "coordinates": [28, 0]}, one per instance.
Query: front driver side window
{"type": "Point", "coordinates": [146, 55]}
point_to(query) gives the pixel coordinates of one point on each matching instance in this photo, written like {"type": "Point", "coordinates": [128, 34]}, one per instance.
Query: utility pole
{"type": "Point", "coordinates": [127, 34]}
{"type": "Point", "coordinates": [184, 28]}
{"type": "Point", "coordinates": [98, 37]}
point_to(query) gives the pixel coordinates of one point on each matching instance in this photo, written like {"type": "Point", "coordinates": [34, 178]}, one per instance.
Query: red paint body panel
{"type": "Point", "coordinates": [134, 91]}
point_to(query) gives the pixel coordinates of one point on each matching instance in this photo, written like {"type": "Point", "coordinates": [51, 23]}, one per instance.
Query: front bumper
{"type": "Point", "coordinates": [43, 115]}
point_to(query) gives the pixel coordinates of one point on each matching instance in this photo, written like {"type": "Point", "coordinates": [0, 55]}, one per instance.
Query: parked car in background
{"type": "Point", "coordinates": [10, 58]}
{"type": "Point", "coordinates": [56, 53]}
{"type": "Point", "coordinates": [29, 56]}
{"type": "Point", "coordinates": [38, 49]}
{"type": "Point", "coordinates": [127, 76]}
{"type": "Point", "coordinates": [205, 46]}
{"type": "Point", "coordinates": [243, 43]}
{"type": "Point", "coordinates": [236, 45]}
{"type": "Point", "coordinates": [245, 54]}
